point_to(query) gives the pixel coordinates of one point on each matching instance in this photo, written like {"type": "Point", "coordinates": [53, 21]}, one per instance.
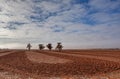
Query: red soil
{"type": "Point", "coordinates": [18, 62]}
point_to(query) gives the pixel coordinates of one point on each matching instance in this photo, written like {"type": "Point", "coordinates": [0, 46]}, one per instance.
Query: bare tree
{"type": "Point", "coordinates": [49, 46]}
{"type": "Point", "coordinates": [41, 46]}
{"type": "Point", "coordinates": [59, 47]}
{"type": "Point", "coordinates": [29, 46]}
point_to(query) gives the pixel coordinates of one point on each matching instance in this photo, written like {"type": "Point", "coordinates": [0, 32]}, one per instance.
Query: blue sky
{"type": "Point", "coordinates": [75, 23]}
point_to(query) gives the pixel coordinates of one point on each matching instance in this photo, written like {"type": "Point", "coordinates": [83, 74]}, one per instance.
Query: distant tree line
{"type": "Point", "coordinates": [49, 46]}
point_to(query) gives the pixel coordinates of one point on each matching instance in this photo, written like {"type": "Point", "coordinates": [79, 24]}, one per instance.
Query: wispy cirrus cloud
{"type": "Point", "coordinates": [78, 23]}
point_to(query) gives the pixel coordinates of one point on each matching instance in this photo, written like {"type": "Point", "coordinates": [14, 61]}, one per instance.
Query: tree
{"type": "Point", "coordinates": [29, 46]}
{"type": "Point", "coordinates": [49, 46]}
{"type": "Point", "coordinates": [41, 46]}
{"type": "Point", "coordinates": [59, 47]}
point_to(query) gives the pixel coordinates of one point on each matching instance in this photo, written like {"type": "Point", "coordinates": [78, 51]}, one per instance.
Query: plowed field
{"type": "Point", "coordinates": [68, 64]}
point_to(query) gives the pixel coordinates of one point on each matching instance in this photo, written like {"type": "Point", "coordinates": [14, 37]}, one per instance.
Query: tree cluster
{"type": "Point", "coordinates": [49, 46]}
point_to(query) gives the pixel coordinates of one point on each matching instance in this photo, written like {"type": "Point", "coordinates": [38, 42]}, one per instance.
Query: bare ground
{"type": "Point", "coordinates": [42, 58]}
{"type": "Point", "coordinates": [6, 53]}
{"type": "Point", "coordinates": [60, 65]}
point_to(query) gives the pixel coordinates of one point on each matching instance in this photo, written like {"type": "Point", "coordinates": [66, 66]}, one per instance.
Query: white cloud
{"type": "Point", "coordinates": [104, 5]}
{"type": "Point", "coordinates": [66, 16]}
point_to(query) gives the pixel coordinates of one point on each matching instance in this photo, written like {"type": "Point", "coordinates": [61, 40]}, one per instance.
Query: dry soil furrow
{"type": "Point", "coordinates": [107, 62]}
{"type": "Point", "coordinates": [6, 53]}
{"type": "Point", "coordinates": [89, 56]}
{"type": "Point", "coordinates": [42, 58]}
{"type": "Point", "coordinates": [113, 54]}
{"type": "Point", "coordinates": [110, 75]}
{"type": "Point", "coordinates": [18, 62]}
